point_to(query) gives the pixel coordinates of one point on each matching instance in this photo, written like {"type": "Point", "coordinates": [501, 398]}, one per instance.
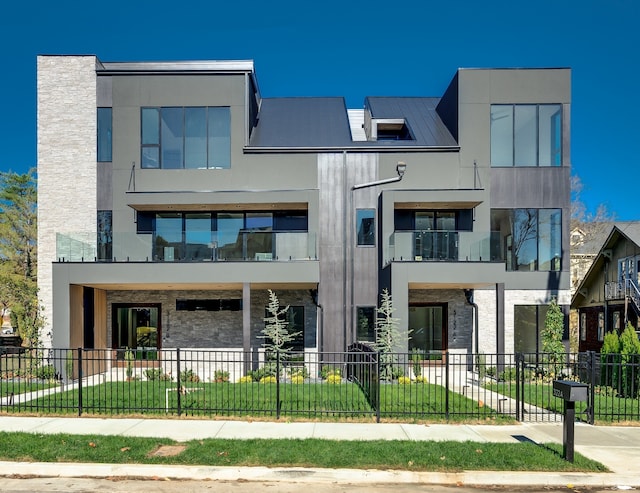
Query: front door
{"type": "Point", "coordinates": [136, 327]}
{"type": "Point", "coordinates": [428, 324]}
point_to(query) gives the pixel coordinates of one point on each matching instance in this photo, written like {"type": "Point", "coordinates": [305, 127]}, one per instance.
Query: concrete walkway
{"type": "Point", "coordinates": [616, 447]}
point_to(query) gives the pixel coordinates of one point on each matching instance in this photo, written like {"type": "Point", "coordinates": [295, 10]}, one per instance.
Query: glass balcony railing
{"type": "Point", "coordinates": [132, 247]}
{"type": "Point", "coordinates": [447, 246]}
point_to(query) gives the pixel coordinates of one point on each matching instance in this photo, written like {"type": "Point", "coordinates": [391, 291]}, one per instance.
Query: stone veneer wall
{"type": "Point", "coordinates": [215, 330]}
{"type": "Point", "coordinates": [459, 314]}
{"type": "Point", "coordinates": [67, 158]}
{"type": "Point", "coordinates": [486, 301]}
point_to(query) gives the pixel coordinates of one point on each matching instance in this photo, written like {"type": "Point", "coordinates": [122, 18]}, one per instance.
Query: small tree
{"type": "Point", "coordinates": [275, 332]}
{"type": "Point", "coordinates": [610, 359]}
{"type": "Point", "coordinates": [629, 349]}
{"type": "Point", "coordinates": [387, 335]}
{"type": "Point", "coordinates": [552, 334]}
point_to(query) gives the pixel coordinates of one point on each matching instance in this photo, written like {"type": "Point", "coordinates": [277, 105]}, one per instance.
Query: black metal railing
{"type": "Point", "coordinates": [447, 386]}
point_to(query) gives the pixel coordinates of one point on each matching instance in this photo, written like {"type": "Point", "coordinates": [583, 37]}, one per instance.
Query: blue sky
{"type": "Point", "coordinates": [355, 49]}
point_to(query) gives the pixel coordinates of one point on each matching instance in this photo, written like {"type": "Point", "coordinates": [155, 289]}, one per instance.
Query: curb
{"type": "Point", "coordinates": [315, 475]}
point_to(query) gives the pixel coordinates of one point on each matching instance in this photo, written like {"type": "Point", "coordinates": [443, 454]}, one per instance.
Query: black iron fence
{"type": "Point", "coordinates": [429, 386]}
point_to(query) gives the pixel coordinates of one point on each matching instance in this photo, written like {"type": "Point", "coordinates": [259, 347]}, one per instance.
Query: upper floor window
{"type": "Point", "coordinates": [190, 137]}
{"type": "Point", "coordinates": [526, 135]}
{"type": "Point", "coordinates": [104, 134]}
{"type": "Point", "coordinates": [366, 227]}
{"type": "Point", "coordinates": [530, 239]}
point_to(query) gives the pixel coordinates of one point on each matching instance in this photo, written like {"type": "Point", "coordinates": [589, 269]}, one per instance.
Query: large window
{"type": "Point", "coordinates": [294, 317]}
{"type": "Point", "coordinates": [192, 137]}
{"type": "Point", "coordinates": [194, 236]}
{"type": "Point", "coordinates": [527, 326]}
{"type": "Point", "coordinates": [104, 134]}
{"type": "Point", "coordinates": [526, 135]}
{"type": "Point", "coordinates": [136, 328]}
{"type": "Point", "coordinates": [530, 239]}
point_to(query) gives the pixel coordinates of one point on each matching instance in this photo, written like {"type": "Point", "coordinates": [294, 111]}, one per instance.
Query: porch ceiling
{"type": "Point", "coordinates": [195, 286]}
{"type": "Point", "coordinates": [449, 285]}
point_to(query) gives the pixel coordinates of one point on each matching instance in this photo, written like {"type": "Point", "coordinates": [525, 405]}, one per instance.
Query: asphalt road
{"type": "Point", "coordinates": [116, 485]}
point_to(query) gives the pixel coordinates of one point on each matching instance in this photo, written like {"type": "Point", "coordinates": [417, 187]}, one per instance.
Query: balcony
{"type": "Point", "coordinates": [444, 246]}
{"type": "Point", "coordinates": [250, 246]}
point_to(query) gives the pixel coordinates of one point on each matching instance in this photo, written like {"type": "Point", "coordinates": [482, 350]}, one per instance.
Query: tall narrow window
{"type": "Point", "coordinates": [104, 134]}
{"type": "Point", "coordinates": [365, 227]}
{"type": "Point", "coordinates": [105, 236]}
{"type": "Point", "coordinates": [366, 323]}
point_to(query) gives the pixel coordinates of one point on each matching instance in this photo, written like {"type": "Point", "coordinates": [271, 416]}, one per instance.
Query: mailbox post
{"type": "Point", "coordinates": [570, 392]}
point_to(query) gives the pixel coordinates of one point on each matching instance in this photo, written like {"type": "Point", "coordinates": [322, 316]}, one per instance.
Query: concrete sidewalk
{"type": "Point", "coordinates": [616, 447]}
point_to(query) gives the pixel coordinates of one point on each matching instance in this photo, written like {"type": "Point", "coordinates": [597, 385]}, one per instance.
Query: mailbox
{"type": "Point", "coordinates": [570, 391]}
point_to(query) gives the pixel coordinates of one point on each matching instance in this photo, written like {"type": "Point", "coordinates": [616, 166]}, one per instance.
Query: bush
{"type": "Point", "coordinates": [297, 379]}
{"type": "Point", "coordinates": [157, 374]}
{"type": "Point", "coordinates": [421, 379]}
{"type": "Point", "coordinates": [268, 379]}
{"type": "Point", "coordinates": [246, 379]}
{"type": "Point", "coordinates": [189, 376]}
{"type": "Point", "coordinates": [47, 372]}
{"type": "Point", "coordinates": [220, 376]}
{"type": "Point", "coordinates": [334, 379]}
{"type": "Point", "coordinates": [404, 380]}
{"type": "Point", "coordinates": [328, 371]}
{"type": "Point", "coordinates": [267, 370]}
{"type": "Point", "coordinates": [298, 371]}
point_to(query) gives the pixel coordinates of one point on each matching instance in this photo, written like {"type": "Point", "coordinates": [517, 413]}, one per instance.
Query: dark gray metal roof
{"type": "Point", "coordinates": [420, 115]}
{"type": "Point", "coordinates": [302, 122]}
{"type": "Point", "coordinates": [323, 123]}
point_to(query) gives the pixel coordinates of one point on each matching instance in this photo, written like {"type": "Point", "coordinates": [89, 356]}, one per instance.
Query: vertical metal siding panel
{"type": "Point", "coordinates": [331, 248]}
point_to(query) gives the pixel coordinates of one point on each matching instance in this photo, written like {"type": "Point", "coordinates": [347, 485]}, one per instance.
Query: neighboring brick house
{"type": "Point", "coordinates": [172, 195]}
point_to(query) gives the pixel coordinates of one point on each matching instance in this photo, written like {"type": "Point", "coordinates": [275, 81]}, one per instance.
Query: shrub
{"type": "Point", "coordinates": [269, 379]}
{"type": "Point", "coordinates": [416, 361]}
{"type": "Point", "coordinates": [404, 380]}
{"type": "Point", "coordinates": [299, 371]}
{"type": "Point", "coordinates": [220, 376]}
{"type": "Point", "coordinates": [327, 371]}
{"type": "Point", "coordinates": [157, 374]}
{"type": "Point", "coordinates": [297, 379]}
{"type": "Point", "coordinates": [47, 372]}
{"type": "Point", "coordinates": [421, 379]}
{"type": "Point", "coordinates": [267, 370]}
{"type": "Point", "coordinates": [491, 371]}
{"type": "Point", "coordinates": [334, 379]}
{"type": "Point", "coordinates": [189, 376]}
{"type": "Point", "coordinates": [246, 379]}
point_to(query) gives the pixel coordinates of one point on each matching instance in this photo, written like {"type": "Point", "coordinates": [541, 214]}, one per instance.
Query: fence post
{"type": "Point", "coordinates": [277, 383]}
{"type": "Point", "coordinates": [519, 375]}
{"type": "Point", "coordinates": [79, 381]}
{"type": "Point", "coordinates": [591, 406]}
{"type": "Point", "coordinates": [377, 386]}
{"type": "Point", "coordinates": [179, 389]}
{"type": "Point", "coordinates": [446, 385]}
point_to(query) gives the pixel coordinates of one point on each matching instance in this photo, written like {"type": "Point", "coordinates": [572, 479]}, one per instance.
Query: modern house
{"type": "Point", "coordinates": [173, 195]}
{"type": "Point", "coordinates": [609, 297]}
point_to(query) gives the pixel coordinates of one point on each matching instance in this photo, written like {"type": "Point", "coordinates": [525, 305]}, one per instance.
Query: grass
{"type": "Point", "coordinates": [379, 454]}
{"type": "Point", "coordinates": [317, 400]}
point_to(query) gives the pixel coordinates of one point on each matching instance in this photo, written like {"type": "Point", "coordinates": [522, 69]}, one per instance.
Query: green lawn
{"type": "Point", "coordinates": [379, 454]}
{"type": "Point", "coordinates": [608, 407]}
{"type": "Point", "coordinates": [316, 400]}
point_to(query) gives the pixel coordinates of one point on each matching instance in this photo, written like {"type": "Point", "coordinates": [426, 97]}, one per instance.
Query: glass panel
{"type": "Point", "coordinates": [150, 126]}
{"type": "Point", "coordinates": [366, 227]}
{"type": "Point", "coordinates": [425, 221]}
{"type": "Point", "coordinates": [172, 132]}
{"type": "Point", "coordinates": [150, 157]}
{"type": "Point", "coordinates": [446, 221]}
{"type": "Point", "coordinates": [195, 143]}
{"type": "Point", "coordinates": [600, 326]}
{"type": "Point", "coordinates": [427, 328]}
{"type": "Point", "coordinates": [105, 236]}
{"type": "Point", "coordinates": [259, 220]}
{"type": "Point", "coordinates": [136, 328]}
{"type": "Point", "coordinates": [366, 323]}
{"type": "Point", "coordinates": [501, 135]}
{"type": "Point", "coordinates": [230, 241]}
{"type": "Point", "coordinates": [583, 326]}
{"type": "Point", "coordinates": [502, 246]}
{"type": "Point", "coordinates": [198, 236]}
{"type": "Point", "coordinates": [219, 137]}
{"type": "Point", "coordinates": [550, 135]}
{"type": "Point", "coordinates": [525, 328]}
{"type": "Point", "coordinates": [525, 236]}
{"type": "Point", "coordinates": [525, 138]}
{"type": "Point", "coordinates": [295, 317]}
{"type": "Point", "coordinates": [168, 236]}
{"type": "Point", "coordinates": [104, 134]}
{"type": "Point", "coordinates": [259, 238]}
{"type": "Point", "coordinates": [549, 239]}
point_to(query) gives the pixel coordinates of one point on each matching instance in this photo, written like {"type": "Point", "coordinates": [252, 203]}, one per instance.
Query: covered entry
{"type": "Point", "coordinates": [428, 327]}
